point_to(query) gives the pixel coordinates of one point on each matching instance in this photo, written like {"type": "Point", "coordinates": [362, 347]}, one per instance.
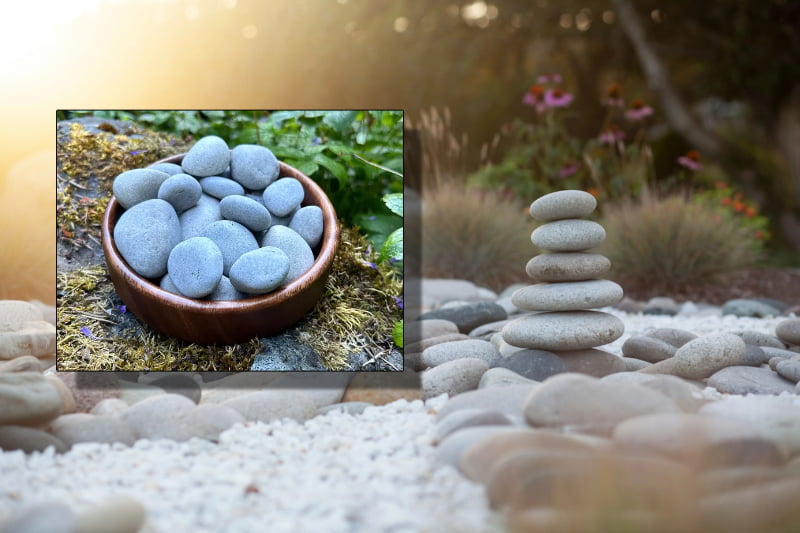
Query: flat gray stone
{"type": "Point", "coordinates": [83, 427]}
{"type": "Point", "coordinates": [209, 156]}
{"type": "Point", "coordinates": [268, 405]}
{"type": "Point", "coordinates": [195, 266]}
{"type": "Point", "coordinates": [502, 377]}
{"type": "Point", "coordinates": [563, 204]}
{"type": "Point", "coordinates": [417, 330]}
{"type": "Point", "coordinates": [749, 380]}
{"type": "Point", "coordinates": [232, 239]}
{"type": "Point", "coordinates": [568, 235]}
{"type": "Point", "coordinates": [177, 383]}
{"type": "Point", "coordinates": [507, 400]}
{"type": "Point", "coordinates": [195, 219]}
{"type": "Point", "coordinates": [182, 191]}
{"type": "Point", "coordinates": [307, 222]}
{"type": "Point", "coordinates": [661, 306]}
{"type": "Point", "coordinates": [283, 196]}
{"type": "Point", "coordinates": [703, 356]}
{"type": "Point", "coordinates": [225, 291]}
{"type": "Point", "coordinates": [536, 365]}
{"type": "Point", "coordinates": [469, 418]}
{"type": "Point", "coordinates": [254, 166]}
{"type": "Point", "coordinates": [574, 266]}
{"type": "Point", "coordinates": [470, 316]}
{"type": "Point", "coordinates": [757, 338]}
{"type": "Point", "coordinates": [568, 296]}
{"type": "Point", "coordinates": [246, 211]}
{"type": "Point", "coordinates": [486, 331]}
{"type": "Point", "coordinates": [566, 330]}
{"type": "Point", "coordinates": [168, 168]}
{"type": "Point", "coordinates": [673, 336]}
{"type": "Point", "coordinates": [789, 369]}
{"type": "Point", "coordinates": [260, 271]}
{"type": "Point", "coordinates": [145, 234]}
{"type": "Point", "coordinates": [750, 307]}
{"type": "Point", "coordinates": [452, 377]}
{"type": "Point", "coordinates": [28, 440]}
{"type": "Point", "coordinates": [284, 353]}
{"type": "Point", "coordinates": [647, 349]}
{"type": "Point", "coordinates": [472, 348]}
{"type": "Point", "coordinates": [135, 186]}
{"type": "Point", "coordinates": [633, 364]}
{"type": "Point", "coordinates": [220, 187]}
{"type": "Point", "coordinates": [28, 399]}
{"type": "Point", "coordinates": [592, 362]}
{"type": "Point", "coordinates": [167, 284]}
{"type": "Point", "coordinates": [294, 246]}
{"type": "Point", "coordinates": [789, 331]}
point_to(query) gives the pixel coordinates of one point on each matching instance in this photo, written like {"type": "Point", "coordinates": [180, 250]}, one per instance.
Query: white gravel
{"type": "Point", "coordinates": [335, 473]}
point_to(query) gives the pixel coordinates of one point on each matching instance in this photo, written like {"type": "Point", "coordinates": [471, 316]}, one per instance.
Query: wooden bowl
{"type": "Point", "coordinates": [224, 322]}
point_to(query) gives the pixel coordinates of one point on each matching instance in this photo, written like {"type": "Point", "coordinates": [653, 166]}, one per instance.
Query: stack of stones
{"type": "Point", "coordinates": [569, 284]}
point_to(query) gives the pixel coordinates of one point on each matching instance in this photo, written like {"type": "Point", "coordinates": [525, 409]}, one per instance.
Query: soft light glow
{"type": "Point", "coordinates": [516, 20]}
{"type": "Point", "coordinates": [656, 15]}
{"type": "Point", "coordinates": [565, 20]}
{"type": "Point", "coordinates": [492, 12]}
{"type": "Point", "coordinates": [229, 4]}
{"type": "Point", "coordinates": [191, 12]}
{"type": "Point", "coordinates": [400, 24]}
{"type": "Point", "coordinates": [249, 31]}
{"type": "Point", "coordinates": [609, 17]}
{"type": "Point", "coordinates": [453, 10]}
{"type": "Point", "coordinates": [474, 11]}
{"type": "Point", "coordinates": [583, 20]}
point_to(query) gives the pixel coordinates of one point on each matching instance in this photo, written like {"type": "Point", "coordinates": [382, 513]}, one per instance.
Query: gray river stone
{"type": "Point", "coordinates": [169, 168]}
{"type": "Point", "coordinates": [135, 186]}
{"type": "Point", "coordinates": [574, 266]}
{"type": "Point", "coordinates": [182, 191]}
{"type": "Point", "coordinates": [232, 239]}
{"type": "Point", "coordinates": [195, 266]}
{"type": "Point", "coordinates": [307, 222]}
{"type": "Point", "coordinates": [566, 330]}
{"type": "Point", "coordinates": [283, 196]}
{"type": "Point", "coordinates": [246, 211]}
{"type": "Point", "coordinates": [197, 218]}
{"type": "Point", "coordinates": [568, 296]}
{"type": "Point", "coordinates": [568, 235]}
{"type": "Point", "coordinates": [226, 291]}
{"type": "Point", "coordinates": [220, 187]}
{"type": "Point", "coordinates": [209, 156]}
{"type": "Point", "coordinates": [145, 235]}
{"type": "Point", "coordinates": [254, 166]}
{"type": "Point", "coordinates": [260, 271]}
{"type": "Point", "coordinates": [294, 246]}
{"type": "Point", "coordinates": [563, 204]}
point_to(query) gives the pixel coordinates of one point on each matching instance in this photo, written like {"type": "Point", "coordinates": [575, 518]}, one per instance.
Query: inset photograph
{"type": "Point", "coordinates": [229, 241]}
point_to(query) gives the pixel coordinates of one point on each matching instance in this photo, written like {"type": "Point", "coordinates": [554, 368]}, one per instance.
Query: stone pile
{"type": "Point", "coordinates": [569, 284]}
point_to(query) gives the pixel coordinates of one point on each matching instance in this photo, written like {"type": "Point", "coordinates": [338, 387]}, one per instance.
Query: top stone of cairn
{"type": "Point", "coordinates": [560, 205]}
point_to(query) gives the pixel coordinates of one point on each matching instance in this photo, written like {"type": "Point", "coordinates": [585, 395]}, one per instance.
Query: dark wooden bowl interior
{"type": "Point", "coordinates": [224, 322]}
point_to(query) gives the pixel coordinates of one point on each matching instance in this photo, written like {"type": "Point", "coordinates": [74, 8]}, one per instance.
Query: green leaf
{"type": "Point", "coordinates": [278, 117]}
{"type": "Point", "coordinates": [340, 120]}
{"type": "Point", "coordinates": [336, 168]}
{"type": "Point", "coordinates": [392, 246]}
{"type": "Point", "coordinates": [305, 166]}
{"type": "Point", "coordinates": [394, 202]}
{"type": "Point", "coordinates": [397, 333]}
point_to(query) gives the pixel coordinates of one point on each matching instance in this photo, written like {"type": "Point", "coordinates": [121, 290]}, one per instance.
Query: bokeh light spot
{"type": "Point", "coordinates": [191, 12]}
{"type": "Point", "coordinates": [249, 31]}
{"type": "Point", "coordinates": [400, 24]}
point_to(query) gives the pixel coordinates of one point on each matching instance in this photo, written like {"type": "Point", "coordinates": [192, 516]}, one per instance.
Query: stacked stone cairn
{"type": "Point", "coordinates": [568, 284]}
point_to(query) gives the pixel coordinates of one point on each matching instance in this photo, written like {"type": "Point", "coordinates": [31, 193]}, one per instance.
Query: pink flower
{"type": "Point", "coordinates": [557, 98]}
{"type": "Point", "coordinates": [691, 160]}
{"type": "Point", "coordinates": [569, 169]}
{"type": "Point", "coordinates": [614, 96]}
{"type": "Point", "coordinates": [535, 97]}
{"type": "Point", "coordinates": [550, 77]}
{"type": "Point", "coordinates": [611, 134]}
{"type": "Point", "coordinates": [638, 111]}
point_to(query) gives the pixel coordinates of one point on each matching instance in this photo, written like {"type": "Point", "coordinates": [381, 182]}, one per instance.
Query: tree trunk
{"type": "Point", "coordinates": [787, 137]}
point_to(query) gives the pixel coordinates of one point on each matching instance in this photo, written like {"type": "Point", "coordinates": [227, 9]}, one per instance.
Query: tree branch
{"type": "Point", "coordinates": [657, 77]}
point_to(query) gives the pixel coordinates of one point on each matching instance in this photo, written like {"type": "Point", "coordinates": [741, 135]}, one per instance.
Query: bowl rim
{"type": "Point", "coordinates": [322, 262]}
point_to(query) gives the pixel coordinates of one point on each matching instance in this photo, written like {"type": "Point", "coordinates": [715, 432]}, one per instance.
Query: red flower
{"type": "Point", "coordinates": [738, 206]}
{"type": "Point", "coordinates": [750, 212]}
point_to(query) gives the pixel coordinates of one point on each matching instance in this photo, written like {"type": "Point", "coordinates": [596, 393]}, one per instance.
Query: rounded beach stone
{"type": "Point", "coordinates": [167, 284]}
{"type": "Point", "coordinates": [83, 427]}
{"type": "Point", "coordinates": [502, 377]}
{"type": "Point", "coordinates": [307, 222]}
{"type": "Point", "coordinates": [536, 365]}
{"type": "Point", "coordinates": [568, 235]}
{"type": "Point", "coordinates": [750, 307]}
{"type": "Point", "coordinates": [294, 246]}
{"type": "Point", "coordinates": [145, 234]}
{"type": "Point", "coordinates": [220, 187]}
{"type": "Point", "coordinates": [208, 420]}
{"type": "Point", "coordinates": [757, 338]}
{"type": "Point", "coordinates": [648, 348]}
{"type": "Point", "coordinates": [283, 196]}
{"type": "Point", "coordinates": [246, 211]}
{"type": "Point", "coordinates": [68, 404]}
{"type": "Point", "coordinates": [563, 204]}
{"type": "Point", "coordinates": [450, 449]}
{"type": "Point", "coordinates": [673, 336]}
{"type": "Point", "coordinates": [226, 291]}
{"type": "Point", "coordinates": [508, 400]}
{"type": "Point", "coordinates": [580, 400]}
{"type": "Point", "coordinates": [452, 377]}
{"type": "Point", "coordinates": [702, 357]}
{"type": "Point", "coordinates": [109, 407]}
{"type": "Point", "coordinates": [763, 507]}
{"type": "Point", "coordinates": [25, 363]}
{"type": "Point", "coordinates": [789, 331]}
{"type": "Point", "coordinates": [789, 369]}
{"type": "Point", "coordinates": [469, 316]}
{"type": "Point", "coordinates": [592, 362]}
{"type": "Point", "coordinates": [260, 271]}
{"type": "Point", "coordinates": [568, 296]}
{"type": "Point", "coordinates": [449, 351]}
{"type": "Point", "coordinates": [232, 239]}
{"type": "Point", "coordinates": [161, 417]}
{"type": "Point", "coordinates": [565, 330]}
{"type": "Point", "coordinates": [469, 418]}
{"type": "Point", "coordinates": [196, 219]}
{"type": "Point", "coordinates": [195, 266]}
{"type": "Point", "coordinates": [182, 191]}
{"type": "Point", "coordinates": [17, 311]}
{"type": "Point", "coordinates": [135, 186]}
{"type": "Point", "coordinates": [120, 514]}
{"type": "Point", "coordinates": [182, 384]}
{"type": "Point", "coordinates": [575, 266]}
{"type": "Point", "coordinates": [749, 380]}
{"type": "Point", "coordinates": [417, 330]}
{"type": "Point", "coordinates": [209, 156]}
{"type": "Point", "coordinates": [268, 405]}
{"type": "Point", "coordinates": [254, 166]}
{"type": "Point", "coordinates": [168, 168]}
{"type": "Point", "coordinates": [381, 388]}
{"type": "Point", "coordinates": [36, 338]}
{"type": "Point", "coordinates": [28, 440]}
{"type": "Point", "coordinates": [28, 399]}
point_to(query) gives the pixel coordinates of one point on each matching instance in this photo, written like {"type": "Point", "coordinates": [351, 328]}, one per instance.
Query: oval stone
{"type": "Point", "coordinates": [209, 156]}
{"type": "Point", "coordinates": [232, 239]}
{"type": "Point", "coordinates": [145, 234]}
{"type": "Point", "coordinates": [195, 266]}
{"type": "Point", "coordinates": [563, 204]}
{"type": "Point", "coordinates": [182, 191]}
{"type": "Point", "coordinates": [254, 166]}
{"type": "Point", "coordinates": [226, 291]}
{"type": "Point", "coordinates": [568, 296]}
{"type": "Point", "coordinates": [135, 186]}
{"type": "Point", "coordinates": [260, 271]}
{"type": "Point", "coordinates": [568, 235]}
{"type": "Point", "coordinates": [169, 168]}
{"type": "Point", "coordinates": [307, 222]}
{"type": "Point", "coordinates": [565, 330]}
{"type": "Point", "coordinates": [246, 211]}
{"type": "Point", "coordinates": [283, 196]}
{"type": "Point", "coordinates": [196, 219]}
{"type": "Point", "coordinates": [789, 331]}
{"type": "Point", "coordinates": [220, 187]}
{"type": "Point", "coordinates": [294, 246]}
{"type": "Point", "coordinates": [703, 356]}
{"type": "Point", "coordinates": [567, 267]}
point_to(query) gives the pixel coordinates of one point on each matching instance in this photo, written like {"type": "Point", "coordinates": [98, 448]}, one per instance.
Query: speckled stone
{"type": "Point", "coordinates": [220, 187]}
{"type": "Point", "coordinates": [254, 166]}
{"type": "Point", "coordinates": [226, 291]}
{"type": "Point", "coordinates": [307, 222]}
{"type": "Point", "coordinates": [567, 330]}
{"type": "Point", "coordinates": [283, 196]}
{"type": "Point", "coordinates": [195, 266]}
{"type": "Point", "coordinates": [196, 219]}
{"type": "Point", "coordinates": [647, 348]}
{"type": "Point", "coordinates": [167, 284]}
{"type": "Point", "coordinates": [568, 235]}
{"type": "Point", "coordinates": [702, 357]}
{"type": "Point", "coordinates": [575, 266]}
{"type": "Point", "coordinates": [246, 211]}
{"type": "Point", "coordinates": [209, 156]}
{"type": "Point", "coordinates": [592, 362]}
{"type": "Point", "coordinates": [452, 377]}
{"type": "Point", "coordinates": [232, 239]}
{"type": "Point", "coordinates": [27, 398]}
{"type": "Point", "coordinates": [789, 331]}
{"type": "Point", "coordinates": [536, 365]}
{"type": "Point", "coordinates": [568, 296]}
{"type": "Point", "coordinates": [294, 246]}
{"type": "Point", "coordinates": [28, 440]}
{"type": "Point", "coordinates": [563, 204]}
{"type": "Point", "coordinates": [145, 235]}
{"type": "Point", "coordinates": [182, 191]}
{"type": "Point", "coordinates": [168, 168]}
{"type": "Point", "coordinates": [468, 317]}
{"type": "Point", "coordinates": [448, 351]}
{"type": "Point", "coordinates": [260, 271]}
{"type": "Point", "coordinates": [749, 380]}
{"type": "Point", "coordinates": [135, 186]}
